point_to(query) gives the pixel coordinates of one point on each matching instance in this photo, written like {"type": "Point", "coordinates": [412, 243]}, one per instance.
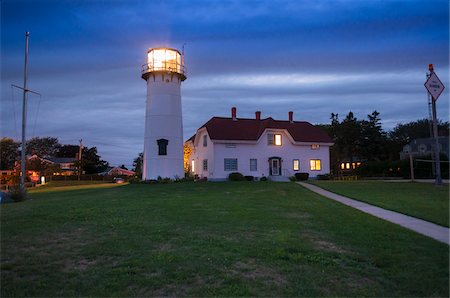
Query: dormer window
{"type": "Point", "coordinates": [162, 146]}
{"type": "Point", "coordinates": [274, 139]}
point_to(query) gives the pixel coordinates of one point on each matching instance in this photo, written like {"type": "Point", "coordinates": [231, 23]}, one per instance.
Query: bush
{"type": "Point", "coordinates": [249, 178]}
{"type": "Point", "coordinates": [324, 177]}
{"type": "Point", "coordinates": [16, 194]}
{"type": "Point", "coordinates": [235, 176]}
{"type": "Point", "coordinates": [302, 176]}
{"type": "Point", "coordinates": [134, 180]}
{"type": "Point", "coordinates": [292, 178]}
{"type": "Point", "coordinates": [263, 178]}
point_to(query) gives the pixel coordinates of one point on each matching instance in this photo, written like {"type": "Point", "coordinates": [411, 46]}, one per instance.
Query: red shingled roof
{"type": "Point", "coordinates": [220, 128]}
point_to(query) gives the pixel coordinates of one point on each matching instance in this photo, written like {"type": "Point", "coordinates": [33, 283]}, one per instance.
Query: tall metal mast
{"type": "Point", "coordinates": [24, 114]}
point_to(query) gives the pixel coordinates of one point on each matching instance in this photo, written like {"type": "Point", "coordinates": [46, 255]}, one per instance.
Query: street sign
{"type": "Point", "coordinates": [434, 86]}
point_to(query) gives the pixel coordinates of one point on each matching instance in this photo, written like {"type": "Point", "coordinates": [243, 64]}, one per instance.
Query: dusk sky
{"type": "Point", "coordinates": [310, 57]}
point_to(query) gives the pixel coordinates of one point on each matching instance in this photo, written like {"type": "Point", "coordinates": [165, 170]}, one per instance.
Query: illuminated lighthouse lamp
{"type": "Point", "coordinates": [165, 60]}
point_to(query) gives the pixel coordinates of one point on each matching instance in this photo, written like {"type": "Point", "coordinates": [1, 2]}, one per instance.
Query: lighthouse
{"type": "Point", "coordinates": [163, 139]}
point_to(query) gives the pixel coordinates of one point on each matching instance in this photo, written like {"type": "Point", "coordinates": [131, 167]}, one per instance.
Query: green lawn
{"type": "Point", "coordinates": [421, 200]}
{"type": "Point", "coordinates": [209, 239]}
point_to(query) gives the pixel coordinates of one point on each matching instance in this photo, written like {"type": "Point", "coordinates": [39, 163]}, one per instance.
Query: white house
{"type": "Point", "coordinates": [258, 147]}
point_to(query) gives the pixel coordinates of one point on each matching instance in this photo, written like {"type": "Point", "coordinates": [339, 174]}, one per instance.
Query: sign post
{"type": "Point", "coordinates": [435, 88]}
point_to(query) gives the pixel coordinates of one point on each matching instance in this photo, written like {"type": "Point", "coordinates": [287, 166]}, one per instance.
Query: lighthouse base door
{"type": "Point", "coordinates": [275, 167]}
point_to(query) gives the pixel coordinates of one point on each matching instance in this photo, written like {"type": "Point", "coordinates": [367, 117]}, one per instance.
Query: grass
{"type": "Point", "coordinates": [421, 200]}
{"type": "Point", "coordinates": [209, 239]}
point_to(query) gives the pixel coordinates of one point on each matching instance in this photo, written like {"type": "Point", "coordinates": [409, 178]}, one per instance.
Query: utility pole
{"type": "Point", "coordinates": [80, 152]}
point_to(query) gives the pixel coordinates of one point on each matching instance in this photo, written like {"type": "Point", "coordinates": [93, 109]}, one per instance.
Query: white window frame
{"type": "Point", "coordinates": [205, 165]}
{"type": "Point", "coordinates": [253, 167]}
{"type": "Point", "coordinates": [315, 164]}
{"type": "Point", "coordinates": [228, 164]}
{"type": "Point", "coordinates": [296, 164]}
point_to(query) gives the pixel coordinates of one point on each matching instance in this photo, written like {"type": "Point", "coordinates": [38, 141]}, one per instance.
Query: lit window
{"type": "Point", "coordinates": [230, 164]}
{"type": "Point", "coordinates": [342, 166]}
{"type": "Point", "coordinates": [347, 166]}
{"type": "Point", "coordinates": [315, 164]}
{"type": "Point", "coordinates": [162, 146]}
{"type": "Point", "coordinates": [277, 140]}
{"type": "Point", "coordinates": [253, 164]}
{"type": "Point", "coordinates": [193, 165]}
{"type": "Point", "coordinates": [274, 139]}
{"type": "Point", "coordinates": [205, 140]}
{"type": "Point", "coordinates": [353, 165]}
{"type": "Point", "coordinates": [315, 146]}
{"type": "Point", "coordinates": [205, 165]}
{"type": "Point", "coordinates": [296, 165]}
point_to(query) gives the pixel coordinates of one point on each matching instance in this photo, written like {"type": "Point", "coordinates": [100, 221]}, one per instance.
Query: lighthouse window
{"type": "Point", "coordinates": [162, 146]}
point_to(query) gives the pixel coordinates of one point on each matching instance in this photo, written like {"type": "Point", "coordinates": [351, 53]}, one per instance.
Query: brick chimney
{"type": "Point", "coordinates": [233, 113]}
{"type": "Point", "coordinates": [291, 116]}
{"type": "Point", "coordinates": [258, 115]}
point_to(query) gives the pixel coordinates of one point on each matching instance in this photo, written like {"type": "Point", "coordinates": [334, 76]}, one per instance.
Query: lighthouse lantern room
{"type": "Point", "coordinates": [163, 139]}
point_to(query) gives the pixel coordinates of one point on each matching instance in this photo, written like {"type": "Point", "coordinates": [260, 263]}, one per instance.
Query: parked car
{"type": "Point", "coordinates": [118, 180]}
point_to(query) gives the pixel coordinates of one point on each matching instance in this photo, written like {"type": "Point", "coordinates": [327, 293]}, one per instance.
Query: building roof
{"type": "Point", "coordinates": [241, 129]}
{"type": "Point", "coordinates": [59, 160]}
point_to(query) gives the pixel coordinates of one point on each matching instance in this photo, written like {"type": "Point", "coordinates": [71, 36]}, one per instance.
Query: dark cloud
{"type": "Point", "coordinates": [311, 57]}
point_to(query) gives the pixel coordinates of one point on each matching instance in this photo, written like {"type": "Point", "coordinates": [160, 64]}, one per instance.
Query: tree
{"type": "Point", "coordinates": [46, 146]}
{"type": "Point", "coordinates": [187, 153]}
{"type": "Point", "coordinates": [373, 138]}
{"type": "Point", "coordinates": [9, 153]}
{"type": "Point", "coordinates": [123, 167]}
{"type": "Point", "coordinates": [137, 164]}
{"type": "Point", "coordinates": [404, 133]}
{"type": "Point", "coordinates": [91, 161]}
{"type": "Point", "coordinates": [68, 151]}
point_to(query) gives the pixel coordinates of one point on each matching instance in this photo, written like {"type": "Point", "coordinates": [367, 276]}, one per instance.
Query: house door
{"type": "Point", "coordinates": [275, 166]}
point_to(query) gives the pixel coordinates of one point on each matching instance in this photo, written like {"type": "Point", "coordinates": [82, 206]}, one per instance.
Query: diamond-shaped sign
{"type": "Point", "coordinates": [434, 86]}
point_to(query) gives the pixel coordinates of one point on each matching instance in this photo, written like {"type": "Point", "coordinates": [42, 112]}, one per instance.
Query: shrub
{"type": "Point", "coordinates": [324, 177]}
{"type": "Point", "coordinates": [292, 178]}
{"type": "Point", "coordinates": [249, 178]}
{"type": "Point", "coordinates": [134, 180]}
{"type": "Point", "coordinates": [235, 176]}
{"type": "Point", "coordinates": [165, 180]}
{"type": "Point", "coordinates": [263, 178]}
{"type": "Point", "coordinates": [302, 176]}
{"type": "Point", "coordinates": [16, 194]}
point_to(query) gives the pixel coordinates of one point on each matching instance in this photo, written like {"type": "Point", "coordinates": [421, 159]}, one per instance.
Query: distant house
{"type": "Point", "coordinates": [67, 164]}
{"type": "Point", "coordinates": [424, 147]}
{"type": "Point", "coordinates": [117, 171]}
{"type": "Point", "coordinates": [258, 147]}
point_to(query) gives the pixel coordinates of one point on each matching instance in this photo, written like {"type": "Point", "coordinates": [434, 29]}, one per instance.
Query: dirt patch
{"type": "Point", "coordinates": [78, 265]}
{"type": "Point", "coordinates": [325, 245]}
{"type": "Point", "coordinates": [297, 215]}
{"type": "Point", "coordinates": [253, 271]}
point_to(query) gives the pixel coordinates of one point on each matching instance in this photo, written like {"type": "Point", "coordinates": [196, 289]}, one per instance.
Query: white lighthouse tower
{"type": "Point", "coordinates": [163, 139]}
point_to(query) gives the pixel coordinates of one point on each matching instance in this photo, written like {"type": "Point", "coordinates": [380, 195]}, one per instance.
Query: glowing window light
{"type": "Point", "coordinates": [193, 165]}
{"type": "Point", "coordinates": [277, 140]}
{"type": "Point", "coordinates": [315, 164]}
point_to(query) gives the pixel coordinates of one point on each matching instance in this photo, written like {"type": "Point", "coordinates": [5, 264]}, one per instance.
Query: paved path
{"type": "Point", "coordinates": [423, 227]}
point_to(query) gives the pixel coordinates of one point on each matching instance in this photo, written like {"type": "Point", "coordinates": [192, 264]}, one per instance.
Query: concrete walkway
{"type": "Point", "coordinates": [423, 227]}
